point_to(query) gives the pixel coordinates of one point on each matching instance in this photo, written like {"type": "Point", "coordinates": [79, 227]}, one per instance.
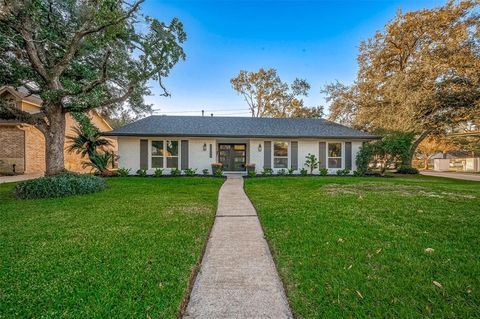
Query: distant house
{"type": "Point", "coordinates": [183, 142]}
{"type": "Point", "coordinates": [23, 146]}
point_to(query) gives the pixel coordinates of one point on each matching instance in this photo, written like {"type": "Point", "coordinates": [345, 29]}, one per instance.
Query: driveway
{"type": "Point", "coordinates": [455, 175]}
{"type": "Point", "coordinates": [18, 178]}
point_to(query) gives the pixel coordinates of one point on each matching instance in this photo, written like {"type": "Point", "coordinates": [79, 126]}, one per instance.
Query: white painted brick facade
{"type": "Point", "coordinates": [129, 151]}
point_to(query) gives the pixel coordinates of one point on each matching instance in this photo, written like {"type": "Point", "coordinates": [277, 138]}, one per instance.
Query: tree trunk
{"type": "Point", "coordinates": [54, 143]}
{"type": "Point", "coordinates": [425, 164]}
{"type": "Point", "coordinates": [408, 161]}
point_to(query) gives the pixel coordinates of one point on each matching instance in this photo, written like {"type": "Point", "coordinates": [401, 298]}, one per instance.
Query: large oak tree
{"type": "Point", "coordinates": [420, 75]}
{"type": "Point", "coordinates": [81, 55]}
{"type": "Point", "coordinates": [268, 96]}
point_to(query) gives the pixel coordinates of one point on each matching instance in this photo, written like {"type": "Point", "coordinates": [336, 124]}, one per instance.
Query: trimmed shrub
{"type": "Point", "coordinates": [205, 172]}
{"type": "Point", "coordinates": [267, 171]}
{"type": "Point", "coordinates": [66, 184]}
{"type": "Point", "coordinates": [282, 172]}
{"type": "Point", "coordinates": [158, 172]}
{"type": "Point", "coordinates": [123, 172]}
{"type": "Point", "coordinates": [357, 173]}
{"type": "Point", "coordinates": [218, 173]}
{"type": "Point", "coordinates": [175, 172]}
{"type": "Point", "coordinates": [343, 172]}
{"type": "Point", "coordinates": [323, 171]}
{"type": "Point", "coordinates": [142, 172]}
{"type": "Point", "coordinates": [252, 173]}
{"type": "Point", "coordinates": [407, 170]}
{"type": "Point", "coordinates": [303, 172]}
{"type": "Point", "coordinates": [291, 171]}
{"type": "Point", "coordinates": [190, 171]}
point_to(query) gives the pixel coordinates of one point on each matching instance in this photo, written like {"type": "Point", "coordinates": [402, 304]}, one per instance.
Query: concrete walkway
{"type": "Point", "coordinates": [18, 178]}
{"type": "Point", "coordinates": [238, 278]}
{"type": "Point", "coordinates": [464, 176]}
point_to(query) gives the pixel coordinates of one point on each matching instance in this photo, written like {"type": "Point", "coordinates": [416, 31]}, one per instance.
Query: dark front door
{"type": "Point", "coordinates": [232, 156]}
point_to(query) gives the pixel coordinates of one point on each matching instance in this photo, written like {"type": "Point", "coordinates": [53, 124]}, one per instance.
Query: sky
{"type": "Point", "coordinates": [314, 40]}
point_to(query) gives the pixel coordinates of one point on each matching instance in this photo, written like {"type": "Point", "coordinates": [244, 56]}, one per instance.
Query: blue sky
{"type": "Point", "coordinates": [315, 40]}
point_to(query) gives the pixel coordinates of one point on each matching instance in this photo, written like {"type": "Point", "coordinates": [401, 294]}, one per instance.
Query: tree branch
{"type": "Point", "coordinates": [33, 54]}
{"type": "Point", "coordinates": [8, 112]}
{"type": "Point", "coordinates": [103, 78]}
{"type": "Point", "coordinates": [83, 32]}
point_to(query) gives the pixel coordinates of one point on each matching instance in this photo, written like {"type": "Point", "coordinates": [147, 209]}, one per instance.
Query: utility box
{"type": "Point", "coordinates": [472, 165]}
{"type": "Point", "coordinates": [441, 164]}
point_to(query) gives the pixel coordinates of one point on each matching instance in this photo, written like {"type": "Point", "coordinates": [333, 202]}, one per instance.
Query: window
{"type": "Point", "coordinates": [280, 155]}
{"type": "Point", "coordinates": [334, 155]}
{"type": "Point", "coordinates": [172, 154]}
{"type": "Point", "coordinates": [164, 154]}
{"type": "Point", "coordinates": [157, 154]}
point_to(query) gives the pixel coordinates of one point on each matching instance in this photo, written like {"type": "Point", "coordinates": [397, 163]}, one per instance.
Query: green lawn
{"type": "Point", "coordinates": [127, 252]}
{"type": "Point", "coordinates": [355, 247]}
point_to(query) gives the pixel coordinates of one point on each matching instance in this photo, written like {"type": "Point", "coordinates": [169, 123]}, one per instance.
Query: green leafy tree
{"type": "Point", "coordinates": [419, 75]}
{"type": "Point", "coordinates": [391, 150]}
{"type": "Point", "coordinates": [82, 55]}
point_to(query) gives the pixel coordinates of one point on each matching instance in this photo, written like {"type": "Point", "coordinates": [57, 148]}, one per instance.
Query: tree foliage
{"type": "Point", "coordinates": [82, 55]}
{"type": "Point", "coordinates": [431, 146]}
{"type": "Point", "coordinates": [268, 96]}
{"type": "Point", "coordinates": [421, 74]}
{"type": "Point", "coordinates": [390, 151]}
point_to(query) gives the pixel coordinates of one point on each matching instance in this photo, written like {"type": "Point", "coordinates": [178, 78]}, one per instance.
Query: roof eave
{"type": "Point", "coordinates": [238, 136]}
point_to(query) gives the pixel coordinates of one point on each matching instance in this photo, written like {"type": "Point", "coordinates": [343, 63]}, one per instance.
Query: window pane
{"type": "Point", "coordinates": [280, 162]}
{"type": "Point", "coordinates": [335, 163]}
{"type": "Point", "coordinates": [172, 148]}
{"type": "Point", "coordinates": [280, 149]}
{"type": "Point", "coordinates": [172, 162]}
{"type": "Point", "coordinates": [157, 147]}
{"type": "Point", "coordinates": [334, 149]}
{"type": "Point", "coordinates": [157, 162]}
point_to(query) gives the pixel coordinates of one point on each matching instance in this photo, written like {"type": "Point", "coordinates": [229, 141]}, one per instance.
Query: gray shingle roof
{"type": "Point", "coordinates": [199, 126]}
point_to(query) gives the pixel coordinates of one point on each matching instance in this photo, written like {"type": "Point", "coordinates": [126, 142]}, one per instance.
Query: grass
{"type": "Point", "coordinates": [127, 252]}
{"type": "Point", "coordinates": [356, 247]}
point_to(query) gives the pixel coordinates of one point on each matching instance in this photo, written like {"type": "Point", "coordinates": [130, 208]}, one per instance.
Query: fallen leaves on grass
{"type": "Point", "coordinates": [437, 284]}
{"type": "Point", "coordinates": [404, 190]}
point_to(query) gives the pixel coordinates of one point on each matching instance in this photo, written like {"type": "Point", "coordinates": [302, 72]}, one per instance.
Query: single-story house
{"type": "Point", "coordinates": [196, 142]}
{"type": "Point", "coordinates": [22, 146]}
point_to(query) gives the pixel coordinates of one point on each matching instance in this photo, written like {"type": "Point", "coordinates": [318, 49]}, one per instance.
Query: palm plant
{"type": "Point", "coordinates": [89, 142]}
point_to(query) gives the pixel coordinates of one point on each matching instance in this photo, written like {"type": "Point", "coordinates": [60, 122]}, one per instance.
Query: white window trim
{"type": "Point", "coordinates": [164, 157]}
{"type": "Point", "coordinates": [342, 157]}
{"type": "Point", "coordinates": [287, 157]}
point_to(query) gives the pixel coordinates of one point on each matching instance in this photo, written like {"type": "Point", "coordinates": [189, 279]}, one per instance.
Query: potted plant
{"type": "Point", "coordinates": [216, 167]}
{"type": "Point", "coordinates": [250, 167]}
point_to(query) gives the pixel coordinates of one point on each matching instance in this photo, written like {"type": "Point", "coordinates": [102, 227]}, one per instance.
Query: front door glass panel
{"type": "Point", "coordinates": [232, 156]}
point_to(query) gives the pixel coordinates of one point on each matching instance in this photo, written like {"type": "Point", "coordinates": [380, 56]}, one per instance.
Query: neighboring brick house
{"type": "Point", "coordinates": [23, 145]}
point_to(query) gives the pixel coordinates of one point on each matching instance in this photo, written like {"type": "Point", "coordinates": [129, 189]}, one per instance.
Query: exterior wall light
{"type": "Point", "coordinates": [259, 147]}
{"type": "Point", "coordinates": [204, 147]}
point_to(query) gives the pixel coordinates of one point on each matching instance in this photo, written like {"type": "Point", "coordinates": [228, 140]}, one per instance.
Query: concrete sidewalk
{"type": "Point", "coordinates": [463, 176]}
{"type": "Point", "coordinates": [238, 278]}
{"type": "Point", "coordinates": [18, 178]}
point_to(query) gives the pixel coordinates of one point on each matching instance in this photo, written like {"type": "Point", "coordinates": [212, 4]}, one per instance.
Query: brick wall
{"type": "Point", "coordinates": [35, 150]}
{"type": "Point", "coordinates": [12, 149]}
